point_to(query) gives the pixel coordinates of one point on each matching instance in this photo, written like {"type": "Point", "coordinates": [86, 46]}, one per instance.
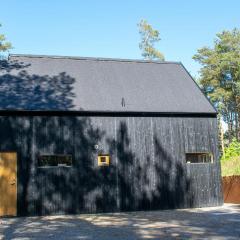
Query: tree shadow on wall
{"type": "Point", "coordinates": [131, 183]}
{"type": "Point", "coordinates": [120, 147]}
{"type": "Point", "coordinates": [148, 183]}
{"type": "Point", "coordinates": [173, 184]}
{"type": "Point", "coordinates": [65, 189]}
{"type": "Point", "coordinates": [83, 188]}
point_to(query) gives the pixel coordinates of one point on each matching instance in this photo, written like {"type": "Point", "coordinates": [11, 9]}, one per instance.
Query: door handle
{"type": "Point", "coordinates": [13, 182]}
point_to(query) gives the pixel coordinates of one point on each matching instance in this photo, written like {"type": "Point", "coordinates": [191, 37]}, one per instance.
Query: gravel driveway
{"type": "Point", "coordinates": [205, 223]}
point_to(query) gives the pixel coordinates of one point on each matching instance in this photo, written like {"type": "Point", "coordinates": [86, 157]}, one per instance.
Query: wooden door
{"type": "Point", "coordinates": [8, 184]}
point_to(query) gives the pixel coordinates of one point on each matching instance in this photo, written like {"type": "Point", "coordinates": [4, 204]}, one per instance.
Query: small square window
{"type": "Point", "coordinates": [103, 160]}
{"type": "Point", "coordinates": [54, 161]}
{"type": "Point", "coordinates": [200, 157]}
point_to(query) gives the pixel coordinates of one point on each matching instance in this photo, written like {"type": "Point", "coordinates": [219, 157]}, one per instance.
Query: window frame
{"type": "Point", "coordinates": [59, 165]}
{"type": "Point", "coordinates": [209, 153]}
{"type": "Point", "coordinates": [105, 163]}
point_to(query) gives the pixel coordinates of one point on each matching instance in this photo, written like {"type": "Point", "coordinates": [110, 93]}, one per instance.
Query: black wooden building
{"type": "Point", "coordinates": [105, 135]}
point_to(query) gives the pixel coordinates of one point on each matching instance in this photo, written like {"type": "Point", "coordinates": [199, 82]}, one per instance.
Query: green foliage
{"type": "Point", "coordinates": [233, 150]}
{"type": "Point", "coordinates": [220, 76]}
{"type": "Point", "coordinates": [149, 37]}
{"type": "Point", "coordinates": [231, 167]}
{"type": "Point", "coordinates": [4, 45]}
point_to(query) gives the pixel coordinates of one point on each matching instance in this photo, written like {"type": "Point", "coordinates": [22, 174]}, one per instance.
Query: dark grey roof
{"type": "Point", "coordinates": [29, 82]}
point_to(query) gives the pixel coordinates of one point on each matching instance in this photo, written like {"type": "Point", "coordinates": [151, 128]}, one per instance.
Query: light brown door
{"type": "Point", "coordinates": [8, 184]}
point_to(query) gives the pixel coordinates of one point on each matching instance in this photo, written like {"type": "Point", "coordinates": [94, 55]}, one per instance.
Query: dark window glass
{"type": "Point", "coordinates": [199, 158]}
{"type": "Point", "coordinates": [103, 159]}
{"type": "Point", "coordinates": [54, 160]}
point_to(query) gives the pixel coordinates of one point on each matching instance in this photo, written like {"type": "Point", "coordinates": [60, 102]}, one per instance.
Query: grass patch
{"type": "Point", "coordinates": [231, 166]}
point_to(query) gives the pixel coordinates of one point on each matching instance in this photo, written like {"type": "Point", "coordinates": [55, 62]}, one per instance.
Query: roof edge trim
{"type": "Point", "coordinates": [216, 111]}
{"type": "Point", "coordinates": [93, 58]}
{"type": "Point", "coordinates": [105, 113]}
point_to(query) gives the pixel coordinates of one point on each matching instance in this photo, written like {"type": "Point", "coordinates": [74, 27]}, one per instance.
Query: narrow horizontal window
{"type": "Point", "coordinates": [202, 157]}
{"type": "Point", "coordinates": [54, 160]}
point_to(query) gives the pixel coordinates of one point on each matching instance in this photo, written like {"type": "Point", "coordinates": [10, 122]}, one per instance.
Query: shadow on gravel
{"type": "Point", "coordinates": [215, 223]}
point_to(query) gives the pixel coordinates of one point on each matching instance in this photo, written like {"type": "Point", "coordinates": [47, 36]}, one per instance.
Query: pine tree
{"type": "Point", "coordinates": [149, 37]}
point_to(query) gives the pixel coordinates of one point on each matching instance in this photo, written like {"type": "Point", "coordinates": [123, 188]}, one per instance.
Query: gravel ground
{"type": "Point", "coordinates": [203, 223]}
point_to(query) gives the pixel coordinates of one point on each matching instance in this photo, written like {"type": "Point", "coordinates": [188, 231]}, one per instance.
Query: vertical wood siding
{"type": "Point", "coordinates": [148, 168]}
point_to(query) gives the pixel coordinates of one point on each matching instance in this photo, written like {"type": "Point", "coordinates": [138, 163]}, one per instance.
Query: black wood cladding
{"type": "Point", "coordinates": [148, 169]}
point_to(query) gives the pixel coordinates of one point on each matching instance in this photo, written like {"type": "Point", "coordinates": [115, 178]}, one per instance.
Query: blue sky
{"type": "Point", "coordinates": [109, 28]}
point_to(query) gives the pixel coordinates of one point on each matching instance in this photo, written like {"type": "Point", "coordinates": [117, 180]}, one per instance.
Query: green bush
{"type": "Point", "coordinates": [233, 150]}
{"type": "Point", "coordinates": [231, 167]}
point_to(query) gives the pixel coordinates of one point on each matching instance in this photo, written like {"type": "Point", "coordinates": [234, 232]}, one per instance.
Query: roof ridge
{"type": "Point", "coordinates": [93, 58]}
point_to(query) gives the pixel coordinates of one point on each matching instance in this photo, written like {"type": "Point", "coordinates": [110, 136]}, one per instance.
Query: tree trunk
{"type": "Point", "coordinates": [221, 137]}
